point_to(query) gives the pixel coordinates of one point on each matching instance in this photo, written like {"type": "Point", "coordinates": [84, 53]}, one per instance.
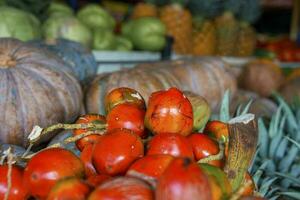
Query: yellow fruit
{"type": "Point", "coordinates": [178, 22]}
{"type": "Point", "coordinates": [144, 10]}
{"type": "Point", "coordinates": [227, 33]}
{"type": "Point", "coordinates": [246, 41]}
{"type": "Point", "coordinates": [204, 39]}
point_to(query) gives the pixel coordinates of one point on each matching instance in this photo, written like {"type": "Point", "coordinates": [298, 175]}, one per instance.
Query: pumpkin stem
{"type": "Point", "coordinates": [218, 156]}
{"type": "Point", "coordinates": [7, 61]}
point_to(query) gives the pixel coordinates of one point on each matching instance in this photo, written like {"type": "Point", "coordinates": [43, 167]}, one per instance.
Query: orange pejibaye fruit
{"type": "Point", "coordinates": [91, 139]}
{"type": "Point", "coordinates": [150, 167]}
{"type": "Point", "coordinates": [17, 190]}
{"type": "Point", "coordinates": [172, 144]}
{"type": "Point", "coordinates": [123, 95]}
{"type": "Point", "coordinates": [123, 188]}
{"type": "Point", "coordinates": [69, 188]}
{"type": "Point", "coordinates": [47, 167]}
{"type": "Point", "coordinates": [116, 151]}
{"type": "Point", "coordinates": [183, 180]}
{"type": "Point", "coordinates": [169, 112]}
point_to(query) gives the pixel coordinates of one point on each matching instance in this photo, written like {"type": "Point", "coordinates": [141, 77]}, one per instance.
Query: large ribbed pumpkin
{"type": "Point", "coordinates": [75, 55]}
{"type": "Point", "coordinates": [36, 88]}
{"type": "Point", "coordinates": [208, 77]}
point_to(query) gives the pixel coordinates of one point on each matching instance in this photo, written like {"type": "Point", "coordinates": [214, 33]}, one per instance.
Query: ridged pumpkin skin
{"type": "Point", "coordinates": [207, 77]}
{"type": "Point", "coordinates": [75, 55]}
{"type": "Point", "coordinates": [36, 89]}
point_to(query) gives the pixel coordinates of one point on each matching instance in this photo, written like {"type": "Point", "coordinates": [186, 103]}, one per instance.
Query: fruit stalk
{"type": "Point", "coordinates": [10, 159]}
{"type": "Point", "coordinates": [218, 156]}
{"type": "Point", "coordinates": [33, 137]}
{"type": "Point", "coordinates": [243, 135]}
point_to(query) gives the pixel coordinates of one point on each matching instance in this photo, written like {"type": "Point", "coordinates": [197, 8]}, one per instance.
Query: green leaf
{"type": "Point", "coordinates": [224, 110]}
{"type": "Point", "coordinates": [286, 162]}
{"type": "Point", "coordinates": [293, 141]}
{"type": "Point", "coordinates": [239, 110]}
{"type": "Point", "coordinates": [266, 185]}
{"type": "Point", "coordinates": [289, 177]}
{"type": "Point", "coordinates": [247, 107]}
{"type": "Point", "coordinates": [281, 149]}
{"type": "Point", "coordinates": [274, 197]}
{"type": "Point", "coordinates": [291, 118]}
{"type": "Point", "coordinates": [295, 195]}
{"type": "Point", "coordinates": [256, 177]}
{"type": "Point", "coordinates": [262, 138]}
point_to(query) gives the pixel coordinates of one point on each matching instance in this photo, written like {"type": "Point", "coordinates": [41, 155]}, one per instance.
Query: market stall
{"type": "Point", "coordinates": [149, 99]}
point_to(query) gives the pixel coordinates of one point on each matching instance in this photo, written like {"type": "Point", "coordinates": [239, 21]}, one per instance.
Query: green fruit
{"type": "Point", "coordinates": [67, 27]}
{"type": "Point", "coordinates": [123, 44]}
{"type": "Point", "coordinates": [56, 8]}
{"type": "Point", "coordinates": [18, 24]}
{"type": "Point", "coordinates": [201, 110]}
{"type": "Point", "coordinates": [95, 16]}
{"type": "Point", "coordinates": [147, 33]}
{"type": "Point", "coordinates": [104, 39]}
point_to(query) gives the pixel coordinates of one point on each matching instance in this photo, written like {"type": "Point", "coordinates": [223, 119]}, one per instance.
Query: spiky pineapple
{"type": "Point", "coordinates": [204, 32]}
{"type": "Point", "coordinates": [227, 30]}
{"type": "Point", "coordinates": [145, 9]}
{"type": "Point", "coordinates": [246, 41]}
{"type": "Point", "coordinates": [178, 21]}
{"type": "Point", "coordinates": [249, 11]}
{"type": "Point", "coordinates": [204, 38]}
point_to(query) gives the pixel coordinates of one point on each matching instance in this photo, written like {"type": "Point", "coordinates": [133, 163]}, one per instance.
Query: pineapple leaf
{"type": "Point", "coordinates": [256, 177]}
{"type": "Point", "coordinates": [291, 118]}
{"type": "Point", "coordinates": [293, 141]}
{"type": "Point", "coordinates": [239, 110]}
{"type": "Point", "coordinates": [266, 185]}
{"type": "Point", "coordinates": [224, 110]}
{"type": "Point", "coordinates": [281, 149]}
{"type": "Point", "coordinates": [274, 197]}
{"type": "Point", "coordinates": [247, 107]}
{"type": "Point", "coordinates": [286, 162]}
{"type": "Point", "coordinates": [289, 177]}
{"type": "Point", "coordinates": [295, 195]}
{"type": "Point", "coordinates": [275, 122]}
{"type": "Point", "coordinates": [262, 138]}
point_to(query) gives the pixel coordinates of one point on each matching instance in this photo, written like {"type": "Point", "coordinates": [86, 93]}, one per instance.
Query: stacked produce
{"type": "Point", "coordinates": [202, 27]}
{"type": "Point", "coordinates": [280, 47]}
{"type": "Point", "coordinates": [208, 77]}
{"type": "Point", "coordinates": [139, 152]}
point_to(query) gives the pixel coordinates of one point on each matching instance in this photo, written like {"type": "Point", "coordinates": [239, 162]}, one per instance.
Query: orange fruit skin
{"type": "Point", "coordinates": [123, 95]}
{"type": "Point", "coordinates": [203, 146]}
{"type": "Point", "coordinates": [116, 151]}
{"type": "Point", "coordinates": [69, 188]}
{"type": "Point", "coordinates": [169, 112]}
{"type": "Point", "coordinates": [172, 144]}
{"type": "Point", "coordinates": [150, 167]}
{"type": "Point", "coordinates": [127, 116]}
{"type": "Point", "coordinates": [47, 167]}
{"type": "Point", "coordinates": [17, 190]}
{"type": "Point", "coordinates": [91, 139]}
{"type": "Point", "coordinates": [183, 180]}
{"type": "Point", "coordinates": [123, 188]}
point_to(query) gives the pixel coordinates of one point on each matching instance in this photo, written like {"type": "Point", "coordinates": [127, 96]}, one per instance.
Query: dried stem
{"type": "Point", "coordinates": [67, 141]}
{"type": "Point", "coordinates": [10, 158]}
{"type": "Point", "coordinates": [218, 156]}
{"type": "Point", "coordinates": [88, 126]}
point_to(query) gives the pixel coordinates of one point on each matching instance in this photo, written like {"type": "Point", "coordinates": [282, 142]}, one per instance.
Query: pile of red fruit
{"type": "Point", "coordinates": [144, 154]}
